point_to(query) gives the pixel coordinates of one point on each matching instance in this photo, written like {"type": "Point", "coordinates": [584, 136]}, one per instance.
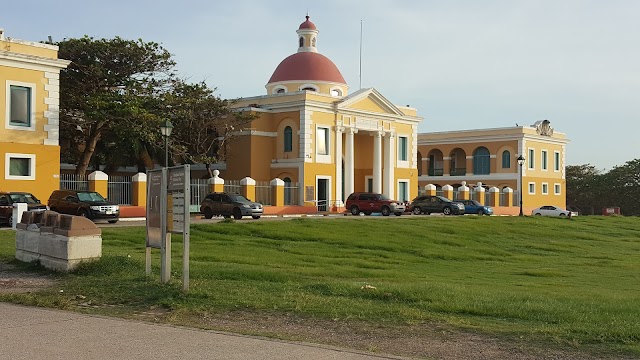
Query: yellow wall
{"type": "Point", "coordinates": [47, 176]}
{"type": "Point", "coordinates": [29, 48]}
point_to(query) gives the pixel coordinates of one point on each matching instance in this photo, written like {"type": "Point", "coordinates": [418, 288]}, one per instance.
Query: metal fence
{"type": "Point", "coordinates": [291, 193]}
{"type": "Point", "coordinates": [74, 182]}
{"type": "Point", "coordinates": [199, 190]}
{"type": "Point", "coordinates": [263, 192]}
{"type": "Point", "coordinates": [119, 189]}
{"type": "Point", "coordinates": [232, 186]}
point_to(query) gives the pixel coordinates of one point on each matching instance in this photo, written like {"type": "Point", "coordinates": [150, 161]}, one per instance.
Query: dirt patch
{"type": "Point", "coordinates": [14, 280]}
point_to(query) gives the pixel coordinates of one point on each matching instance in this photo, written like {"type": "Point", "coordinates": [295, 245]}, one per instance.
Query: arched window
{"type": "Point", "coordinates": [287, 191]}
{"type": "Point", "coordinates": [288, 139]}
{"type": "Point", "coordinates": [506, 159]}
{"type": "Point", "coordinates": [336, 92]}
{"type": "Point", "coordinates": [313, 42]}
{"type": "Point", "coordinates": [308, 89]}
{"type": "Point", "coordinates": [481, 165]}
{"type": "Point", "coordinates": [280, 91]}
{"type": "Point", "coordinates": [301, 41]}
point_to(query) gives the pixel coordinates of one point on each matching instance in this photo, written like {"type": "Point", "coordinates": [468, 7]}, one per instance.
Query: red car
{"type": "Point", "coordinates": [369, 203]}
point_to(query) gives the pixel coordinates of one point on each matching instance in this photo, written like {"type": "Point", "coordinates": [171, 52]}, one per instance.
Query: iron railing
{"type": "Point", "coordinates": [119, 189]}
{"type": "Point", "coordinates": [74, 182]}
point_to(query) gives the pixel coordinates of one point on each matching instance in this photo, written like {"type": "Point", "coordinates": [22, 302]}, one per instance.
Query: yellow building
{"type": "Point", "coordinates": [310, 130]}
{"type": "Point", "coordinates": [29, 150]}
{"type": "Point", "coordinates": [490, 157]}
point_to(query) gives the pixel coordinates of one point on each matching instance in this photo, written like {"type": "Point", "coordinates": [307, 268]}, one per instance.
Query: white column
{"type": "Point", "coordinates": [377, 162]}
{"type": "Point", "coordinates": [348, 162]}
{"type": "Point", "coordinates": [338, 161]}
{"type": "Point", "coordinates": [389, 165]}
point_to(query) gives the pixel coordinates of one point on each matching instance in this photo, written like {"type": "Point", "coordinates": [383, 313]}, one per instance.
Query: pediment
{"type": "Point", "coordinates": [369, 100]}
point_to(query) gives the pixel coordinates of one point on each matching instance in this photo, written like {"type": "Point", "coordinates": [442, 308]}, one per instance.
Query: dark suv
{"type": "Point", "coordinates": [428, 204]}
{"type": "Point", "coordinates": [7, 199]}
{"type": "Point", "coordinates": [229, 205]}
{"type": "Point", "coordinates": [369, 203]}
{"type": "Point", "coordinates": [89, 204]}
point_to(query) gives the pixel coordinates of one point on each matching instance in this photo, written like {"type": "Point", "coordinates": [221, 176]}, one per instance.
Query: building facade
{"type": "Point", "coordinates": [310, 130]}
{"type": "Point", "coordinates": [29, 131]}
{"type": "Point", "coordinates": [490, 157]}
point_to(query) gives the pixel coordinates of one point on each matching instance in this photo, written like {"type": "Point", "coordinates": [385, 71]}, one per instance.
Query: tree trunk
{"type": "Point", "coordinates": [145, 161]}
{"type": "Point", "coordinates": [209, 171]}
{"type": "Point", "coordinates": [87, 153]}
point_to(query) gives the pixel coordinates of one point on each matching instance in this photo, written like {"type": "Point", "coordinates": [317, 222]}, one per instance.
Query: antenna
{"type": "Point", "coordinates": [360, 54]}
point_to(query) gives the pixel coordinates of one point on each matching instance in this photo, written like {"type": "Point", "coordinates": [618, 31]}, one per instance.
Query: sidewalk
{"type": "Point", "coordinates": [36, 333]}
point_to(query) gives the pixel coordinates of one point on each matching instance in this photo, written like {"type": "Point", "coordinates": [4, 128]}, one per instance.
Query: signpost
{"type": "Point", "coordinates": [168, 204]}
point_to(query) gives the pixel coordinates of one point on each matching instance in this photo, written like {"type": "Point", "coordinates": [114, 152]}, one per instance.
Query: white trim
{"type": "Point", "coordinates": [256, 133]}
{"type": "Point", "coordinates": [366, 182]}
{"type": "Point", "coordinates": [529, 188]}
{"type": "Point", "coordinates": [398, 181]}
{"type": "Point", "coordinates": [556, 161]}
{"type": "Point", "coordinates": [312, 86]}
{"type": "Point", "coordinates": [557, 188]}
{"type": "Point", "coordinates": [470, 178]}
{"type": "Point", "coordinates": [279, 87]}
{"type": "Point", "coordinates": [323, 158]}
{"type": "Point", "coordinates": [32, 166]}
{"type": "Point", "coordinates": [544, 157]}
{"type": "Point", "coordinates": [545, 184]}
{"type": "Point", "coordinates": [531, 159]}
{"type": "Point", "coordinates": [403, 164]}
{"type": "Point", "coordinates": [32, 110]}
{"type": "Point", "coordinates": [338, 89]}
{"type": "Point", "coordinates": [329, 193]}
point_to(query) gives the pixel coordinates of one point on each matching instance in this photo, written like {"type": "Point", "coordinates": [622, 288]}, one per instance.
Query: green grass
{"type": "Point", "coordinates": [553, 280]}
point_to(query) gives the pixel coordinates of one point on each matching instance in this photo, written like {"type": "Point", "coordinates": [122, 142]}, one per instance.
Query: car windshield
{"type": "Point", "coordinates": [383, 197]}
{"type": "Point", "coordinates": [90, 196]}
{"type": "Point", "coordinates": [24, 198]}
{"type": "Point", "coordinates": [238, 198]}
{"type": "Point", "coordinates": [444, 199]}
{"type": "Point", "coordinates": [474, 202]}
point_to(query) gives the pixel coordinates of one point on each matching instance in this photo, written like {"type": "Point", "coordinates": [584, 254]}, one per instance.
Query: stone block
{"type": "Point", "coordinates": [70, 226]}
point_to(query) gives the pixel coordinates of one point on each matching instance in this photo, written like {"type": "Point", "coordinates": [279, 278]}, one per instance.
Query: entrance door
{"type": "Point", "coordinates": [323, 194]}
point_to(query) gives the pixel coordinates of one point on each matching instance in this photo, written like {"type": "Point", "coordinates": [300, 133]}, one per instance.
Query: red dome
{"type": "Point", "coordinates": [307, 25]}
{"type": "Point", "coordinates": [307, 66]}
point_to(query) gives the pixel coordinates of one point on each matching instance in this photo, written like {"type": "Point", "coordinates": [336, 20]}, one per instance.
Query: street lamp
{"type": "Point", "coordinates": [166, 129]}
{"type": "Point", "coordinates": [520, 162]}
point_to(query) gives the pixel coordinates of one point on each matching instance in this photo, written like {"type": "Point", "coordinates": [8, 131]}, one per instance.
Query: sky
{"type": "Point", "coordinates": [463, 64]}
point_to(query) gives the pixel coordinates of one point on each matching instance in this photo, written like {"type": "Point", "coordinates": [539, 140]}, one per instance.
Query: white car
{"type": "Point", "coordinates": [550, 210]}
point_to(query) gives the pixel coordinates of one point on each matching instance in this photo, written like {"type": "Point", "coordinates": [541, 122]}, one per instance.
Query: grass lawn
{"type": "Point", "coordinates": [557, 281]}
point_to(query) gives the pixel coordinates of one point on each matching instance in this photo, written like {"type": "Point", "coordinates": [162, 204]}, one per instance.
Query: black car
{"type": "Point", "coordinates": [228, 205]}
{"type": "Point", "coordinates": [89, 204]}
{"type": "Point", "coordinates": [7, 199]}
{"type": "Point", "coordinates": [427, 204]}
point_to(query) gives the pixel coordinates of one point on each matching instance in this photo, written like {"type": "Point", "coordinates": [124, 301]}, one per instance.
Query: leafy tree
{"type": "Point", "coordinates": [584, 186]}
{"type": "Point", "coordinates": [105, 93]}
{"type": "Point", "coordinates": [623, 187]}
{"type": "Point", "coordinates": [203, 123]}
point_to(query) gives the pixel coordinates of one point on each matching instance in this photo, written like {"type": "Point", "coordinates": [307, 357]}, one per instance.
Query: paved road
{"type": "Point", "coordinates": [35, 333]}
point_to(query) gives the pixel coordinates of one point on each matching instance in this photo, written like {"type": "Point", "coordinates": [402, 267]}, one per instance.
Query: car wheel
{"type": "Point", "coordinates": [397, 213]}
{"type": "Point", "coordinates": [480, 212]}
{"type": "Point", "coordinates": [416, 211]}
{"type": "Point", "coordinates": [237, 214]}
{"type": "Point", "coordinates": [113, 221]}
{"type": "Point", "coordinates": [386, 211]}
{"type": "Point", "coordinates": [256, 217]}
{"type": "Point", "coordinates": [538, 214]}
{"type": "Point", "coordinates": [355, 210]}
{"type": "Point", "coordinates": [446, 211]}
{"type": "Point", "coordinates": [562, 215]}
{"type": "Point", "coordinates": [208, 213]}
{"type": "Point", "coordinates": [367, 213]}
{"type": "Point", "coordinates": [10, 220]}
{"type": "Point", "coordinates": [83, 213]}
{"type": "Point", "coordinates": [226, 216]}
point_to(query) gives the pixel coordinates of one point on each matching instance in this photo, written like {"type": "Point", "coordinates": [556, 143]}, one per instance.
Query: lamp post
{"type": "Point", "coordinates": [166, 129]}
{"type": "Point", "coordinates": [520, 162]}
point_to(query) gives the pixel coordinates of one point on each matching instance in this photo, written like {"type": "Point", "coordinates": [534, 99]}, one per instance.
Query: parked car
{"type": "Point", "coordinates": [550, 210]}
{"type": "Point", "coordinates": [474, 207]}
{"type": "Point", "coordinates": [7, 199]}
{"type": "Point", "coordinates": [427, 204]}
{"type": "Point", "coordinates": [89, 204]}
{"type": "Point", "coordinates": [228, 205]}
{"type": "Point", "coordinates": [369, 203]}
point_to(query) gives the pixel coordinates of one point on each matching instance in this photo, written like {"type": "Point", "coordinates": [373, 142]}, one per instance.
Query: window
{"type": "Point", "coordinates": [322, 139]}
{"type": "Point", "coordinates": [556, 161]}
{"type": "Point", "coordinates": [20, 106]}
{"type": "Point", "coordinates": [280, 91]}
{"type": "Point", "coordinates": [288, 191]}
{"type": "Point", "coordinates": [308, 89]}
{"type": "Point", "coordinates": [545, 189]}
{"type": "Point", "coordinates": [403, 191]}
{"type": "Point", "coordinates": [506, 159]}
{"type": "Point", "coordinates": [20, 166]}
{"type": "Point", "coordinates": [313, 42]}
{"type": "Point", "coordinates": [532, 188]}
{"type": "Point", "coordinates": [403, 153]}
{"type": "Point", "coordinates": [557, 189]}
{"type": "Point", "coordinates": [336, 92]}
{"type": "Point", "coordinates": [532, 158]}
{"type": "Point", "coordinates": [544, 159]}
{"type": "Point", "coordinates": [301, 41]}
{"type": "Point", "coordinates": [288, 139]}
{"type": "Point", "coordinates": [481, 161]}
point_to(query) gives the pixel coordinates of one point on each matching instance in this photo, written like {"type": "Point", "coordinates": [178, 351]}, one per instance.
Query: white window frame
{"type": "Point", "coordinates": [32, 118]}
{"type": "Point", "coordinates": [279, 87]}
{"type": "Point", "coordinates": [32, 166]}
{"type": "Point", "coordinates": [545, 188]}
{"type": "Point", "coordinates": [398, 182]}
{"type": "Point", "coordinates": [557, 189]}
{"type": "Point", "coordinates": [402, 163]}
{"type": "Point", "coordinates": [544, 160]}
{"type": "Point", "coordinates": [531, 161]}
{"type": "Point", "coordinates": [556, 161]}
{"type": "Point", "coordinates": [530, 186]}
{"type": "Point", "coordinates": [324, 158]}
{"type": "Point", "coordinates": [336, 89]}
{"type": "Point", "coordinates": [314, 87]}
{"type": "Point", "coordinates": [366, 183]}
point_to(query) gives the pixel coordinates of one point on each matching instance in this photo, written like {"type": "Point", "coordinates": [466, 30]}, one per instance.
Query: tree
{"type": "Point", "coordinates": [105, 92]}
{"type": "Point", "coordinates": [623, 187]}
{"type": "Point", "coordinates": [203, 123]}
{"type": "Point", "coordinates": [583, 188]}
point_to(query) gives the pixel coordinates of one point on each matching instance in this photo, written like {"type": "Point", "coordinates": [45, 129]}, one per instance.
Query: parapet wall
{"type": "Point", "coordinates": [59, 242]}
